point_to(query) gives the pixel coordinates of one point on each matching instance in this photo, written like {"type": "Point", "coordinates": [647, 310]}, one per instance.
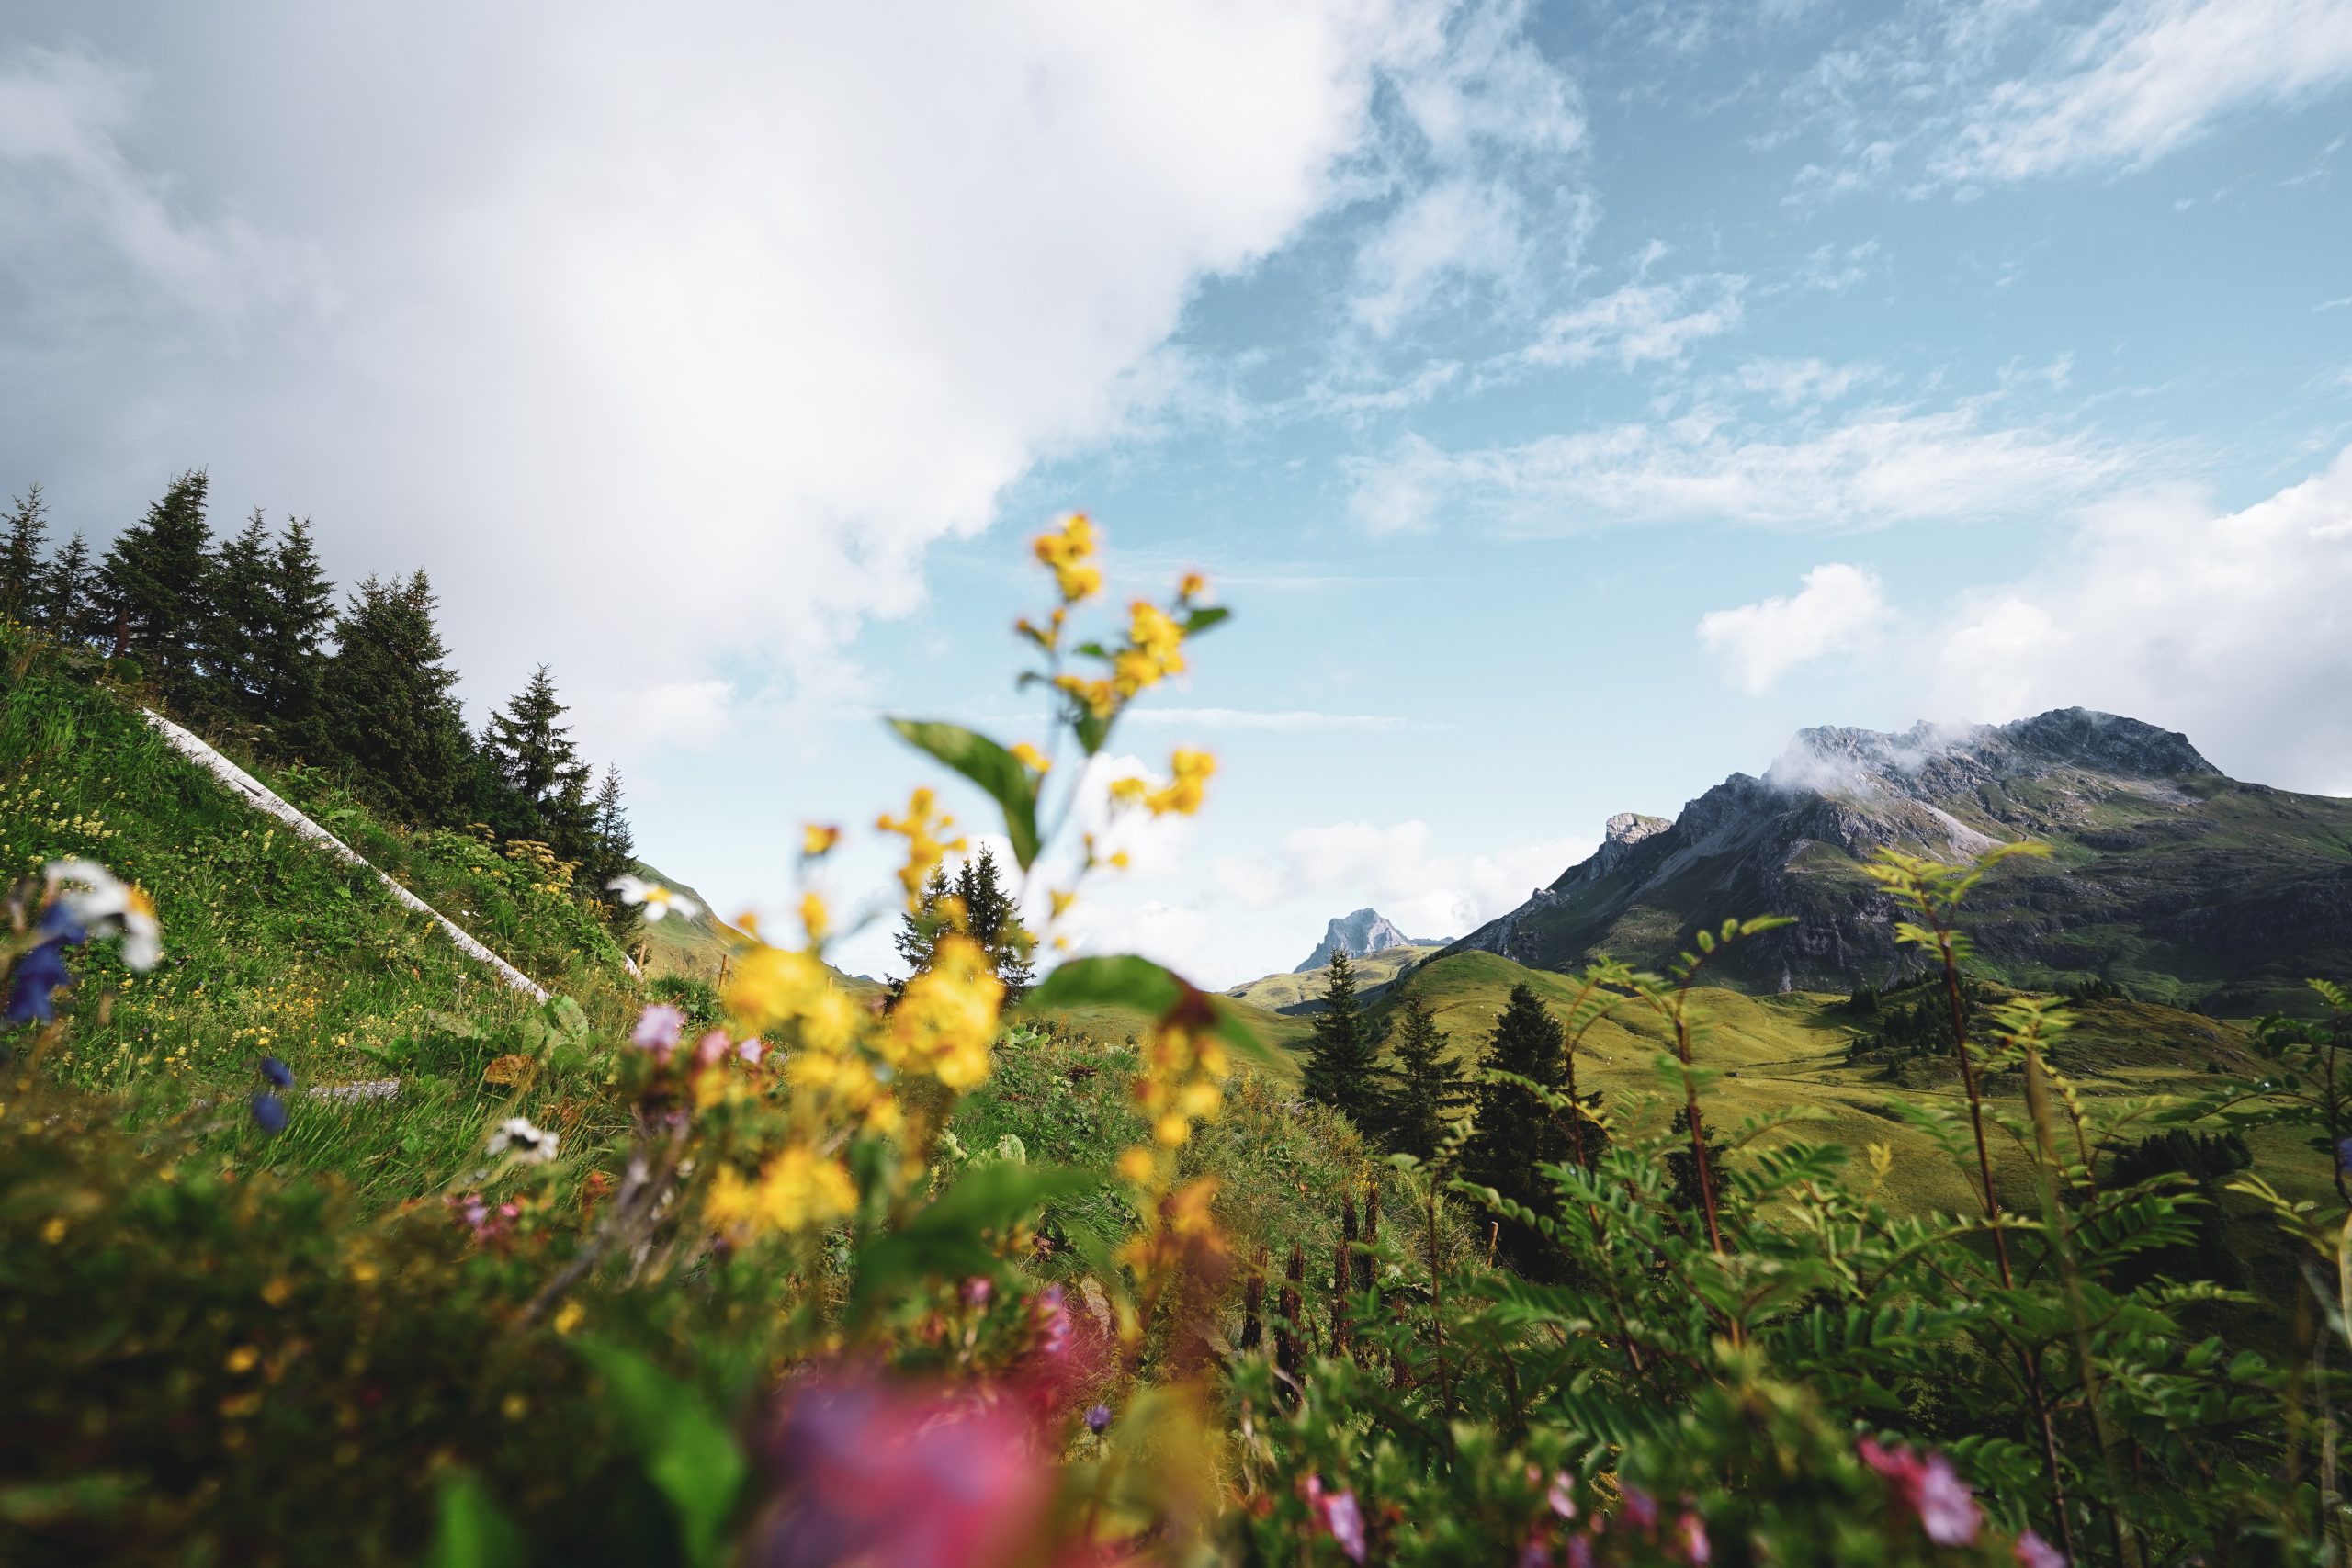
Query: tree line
{"type": "Point", "coordinates": [1411, 1102]}
{"type": "Point", "coordinates": [242, 632]}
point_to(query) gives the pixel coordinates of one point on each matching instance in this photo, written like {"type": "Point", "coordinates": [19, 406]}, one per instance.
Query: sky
{"type": "Point", "coordinates": [1570, 401]}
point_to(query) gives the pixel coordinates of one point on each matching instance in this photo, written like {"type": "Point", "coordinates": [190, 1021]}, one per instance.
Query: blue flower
{"type": "Point", "coordinates": [2344, 1155]}
{"type": "Point", "coordinates": [277, 1072]}
{"type": "Point", "coordinates": [269, 1114]}
{"type": "Point", "coordinates": [1098, 1418]}
{"type": "Point", "coordinates": [38, 975]}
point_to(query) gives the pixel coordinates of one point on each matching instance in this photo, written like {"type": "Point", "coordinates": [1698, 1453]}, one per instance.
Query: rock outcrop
{"type": "Point", "coordinates": [1358, 935]}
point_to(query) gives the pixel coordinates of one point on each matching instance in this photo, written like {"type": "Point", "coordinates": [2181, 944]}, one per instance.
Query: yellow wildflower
{"type": "Point", "coordinates": [1155, 649]}
{"type": "Point", "coordinates": [775, 985]}
{"type": "Point", "coordinates": [921, 827]}
{"type": "Point", "coordinates": [1191, 587]}
{"type": "Point", "coordinates": [1184, 792]}
{"type": "Point", "coordinates": [817, 838]}
{"type": "Point", "coordinates": [797, 1191]}
{"type": "Point", "coordinates": [1136, 1167]}
{"type": "Point", "coordinates": [568, 1316]}
{"type": "Point", "coordinates": [946, 1018]}
{"type": "Point", "coordinates": [1029, 757]}
{"type": "Point", "coordinates": [814, 916]}
{"type": "Point", "coordinates": [1071, 554]}
{"type": "Point", "coordinates": [1063, 899]}
{"type": "Point", "coordinates": [1100, 697]}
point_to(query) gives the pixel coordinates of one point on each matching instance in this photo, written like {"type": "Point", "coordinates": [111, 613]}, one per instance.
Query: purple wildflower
{"type": "Point", "coordinates": [40, 973]}
{"type": "Point", "coordinates": [1641, 1508]}
{"type": "Point", "coordinates": [1345, 1521]}
{"type": "Point", "coordinates": [279, 1074]}
{"type": "Point", "coordinates": [1562, 1497]}
{"type": "Point", "coordinates": [658, 1028]}
{"type": "Point", "coordinates": [2035, 1552]}
{"type": "Point", "coordinates": [268, 1112]}
{"type": "Point", "coordinates": [1579, 1552]}
{"type": "Point", "coordinates": [1098, 1419]}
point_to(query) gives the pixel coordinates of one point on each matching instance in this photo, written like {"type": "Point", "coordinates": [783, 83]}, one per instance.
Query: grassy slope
{"type": "Point", "coordinates": [1304, 993]}
{"type": "Point", "coordinates": [274, 948]}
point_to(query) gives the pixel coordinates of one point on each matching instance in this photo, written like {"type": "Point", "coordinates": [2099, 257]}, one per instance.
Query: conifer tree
{"type": "Point", "coordinates": [1516, 1132]}
{"type": "Point", "coordinates": [68, 608]}
{"type": "Point", "coordinates": [21, 553]}
{"type": "Point", "coordinates": [1342, 1060]}
{"type": "Point", "coordinates": [1428, 1089]}
{"type": "Point", "coordinates": [387, 703]}
{"type": "Point", "coordinates": [234, 622]}
{"type": "Point", "coordinates": [974, 901]}
{"type": "Point", "coordinates": [155, 581]}
{"type": "Point", "coordinates": [991, 919]}
{"type": "Point", "coordinates": [612, 853]}
{"type": "Point", "coordinates": [291, 657]}
{"type": "Point", "coordinates": [533, 753]}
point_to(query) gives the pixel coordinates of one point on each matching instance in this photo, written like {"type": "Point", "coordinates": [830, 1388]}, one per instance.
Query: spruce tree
{"type": "Point", "coordinates": [919, 929]}
{"type": "Point", "coordinates": [156, 582]}
{"type": "Point", "coordinates": [235, 622]}
{"type": "Point", "coordinates": [21, 553]}
{"type": "Point", "coordinates": [612, 853]}
{"type": "Point", "coordinates": [68, 608]}
{"type": "Point", "coordinates": [991, 919]}
{"type": "Point", "coordinates": [291, 657]}
{"type": "Point", "coordinates": [1429, 1090]}
{"type": "Point", "coordinates": [1342, 1060]}
{"type": "Point", "coordinates": [1517, 1132]}
{"type": "Point", "coordinates": [533, 753]}
{"type": "Point", "coordinates": [387, 703]}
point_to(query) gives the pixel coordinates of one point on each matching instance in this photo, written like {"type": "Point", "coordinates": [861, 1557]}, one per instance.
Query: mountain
{"type": "Point", "coordinates": [2168, 876]}
{"type": "Point", "coordinates": [1359, 935]}
{"type": "Point", "coordinates": [1299, 992]}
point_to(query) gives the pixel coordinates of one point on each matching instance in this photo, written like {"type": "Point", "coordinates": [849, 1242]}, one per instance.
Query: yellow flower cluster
{"type": "Point", "coordinates": [775, 991]}
{"type": "Point", "coordinates": [1182, 793]}
{"type": "Point", "coordinates": [817, 838]}
{"type": "Point", "coordinates": [1155, 649]}
{"type": "Point", "coordinates": [946, 1019]}
{"type": "Point", "coordinates": [1029, 757]}
{"type": "Point", "coordinates": [921, 827]}
{"type": "Point", "coordinates": [798, 1189]}
{"type": "Point", "coordinates": [1071, 553]}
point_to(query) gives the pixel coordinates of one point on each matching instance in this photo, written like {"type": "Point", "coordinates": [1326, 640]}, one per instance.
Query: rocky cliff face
{"type": "Point", "coordinates": [1358, 935]}
{"type": "Point", "coordinates": [2168, 876]}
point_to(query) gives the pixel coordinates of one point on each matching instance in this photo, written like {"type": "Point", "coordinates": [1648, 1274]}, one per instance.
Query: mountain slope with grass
{"type": "Point", "coordinates": [2167, 877]}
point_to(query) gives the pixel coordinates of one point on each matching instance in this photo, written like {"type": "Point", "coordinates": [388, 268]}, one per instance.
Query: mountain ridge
{"type": "Point", "coordinates": [2166, 874]}
{"type": "Point", "coordinates": [1360, 933]}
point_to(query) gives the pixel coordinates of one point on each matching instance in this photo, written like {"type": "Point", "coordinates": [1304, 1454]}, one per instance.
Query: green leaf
{"type": "Point", "coordinates": [944, 1239]}
{"type": "Point", "coordinates": [1012, 786]}
{"type": "Point", "coordinates": [1203, 619]}
{"type": "Point", "coordinates": [470, 1531]}
{"type": "Point", "coordinates": [689, 1456]}
{"type": "Point", "coordinates": [1138, 982]}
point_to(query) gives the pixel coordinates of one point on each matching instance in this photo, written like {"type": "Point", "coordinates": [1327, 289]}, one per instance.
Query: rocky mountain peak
{"type": "Point", "coordinates": [1631, 826]}
{"type": "Point", "coordinates": [1358, 935]}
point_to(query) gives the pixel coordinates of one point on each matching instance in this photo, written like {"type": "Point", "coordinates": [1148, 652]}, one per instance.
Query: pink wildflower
{"type": "Point", "coordinates": [1641, 1508]}
{"type": "Point", "coordinates": [751, 1050]}
{"type": "Point", "coordinates": [1931, 1489]}
{"type": "Point", "coordinates": [712, 1048]}
{"type": "Point", "coordinates": [1579, 1552]}
{"type": "Point", "coordinates": [1562, 1495]}
{"type": "Point", "coordinates": [1690, 1535]}
{"type": "Point", "coordinates": [658, 1028]}
{"type": "Point", "coordinates": [2035, 1552]}
{"type": "Point", "coordinates": [1337, 1512]}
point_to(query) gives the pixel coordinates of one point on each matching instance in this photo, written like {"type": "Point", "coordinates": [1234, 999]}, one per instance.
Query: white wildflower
{"type": "Point", "coordinates": [654, 899]}
{"type": "Point", "coordinates": [525, 1144]}
{"type": "Point", "coordinates": [102, 904]}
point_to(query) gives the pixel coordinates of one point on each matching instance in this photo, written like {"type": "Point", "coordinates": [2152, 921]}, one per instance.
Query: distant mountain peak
{"type": "Point", "coordinates": [1359, 935]}
{"type": "Point", "coordinates": [2164, 867]}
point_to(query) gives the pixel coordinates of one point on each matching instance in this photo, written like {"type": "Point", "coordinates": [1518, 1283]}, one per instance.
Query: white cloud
{"type": "Point", "coordinates": [1641, 322]}
{"type": "Point", "coordinates": [2229, 626]}
{"type": "Point", "coordinates": [711, 324]}
{"type": "Point", "coordinates": [1791, 382]}
{"type": "Point", "coordinates": [1879, 466]}
{"type": "Point", "coordinates": [2150, 77]}
{"type": "Point", "coordinates": [1839, 611]}
{"type": "Point", "coordinates": [1395, 870]}
{"type": "Point", "coordinates": [1456, 230]}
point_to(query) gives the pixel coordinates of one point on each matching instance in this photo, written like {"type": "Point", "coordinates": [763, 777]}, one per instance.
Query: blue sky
{"type": "Point", "coordinates": [1571, 401]}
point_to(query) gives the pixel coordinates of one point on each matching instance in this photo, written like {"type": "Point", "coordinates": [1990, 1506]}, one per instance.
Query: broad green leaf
{"type": "Point", "coordinates": [1138, 982]}
{"type": "Point", "coordinates": [470, 1530]}
{"type": "Point", "coordinates": [1202, 620]}
{"type": "Point", "coordinates": [1012, 786]}
{"type": "Point", "coordinates": [689, 1455]}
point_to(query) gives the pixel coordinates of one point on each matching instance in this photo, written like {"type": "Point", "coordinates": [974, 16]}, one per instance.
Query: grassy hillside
{"type": "Point", "coordinates": [1304, 993]}
{"type": "Point", "coordinates": [693, 945]}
